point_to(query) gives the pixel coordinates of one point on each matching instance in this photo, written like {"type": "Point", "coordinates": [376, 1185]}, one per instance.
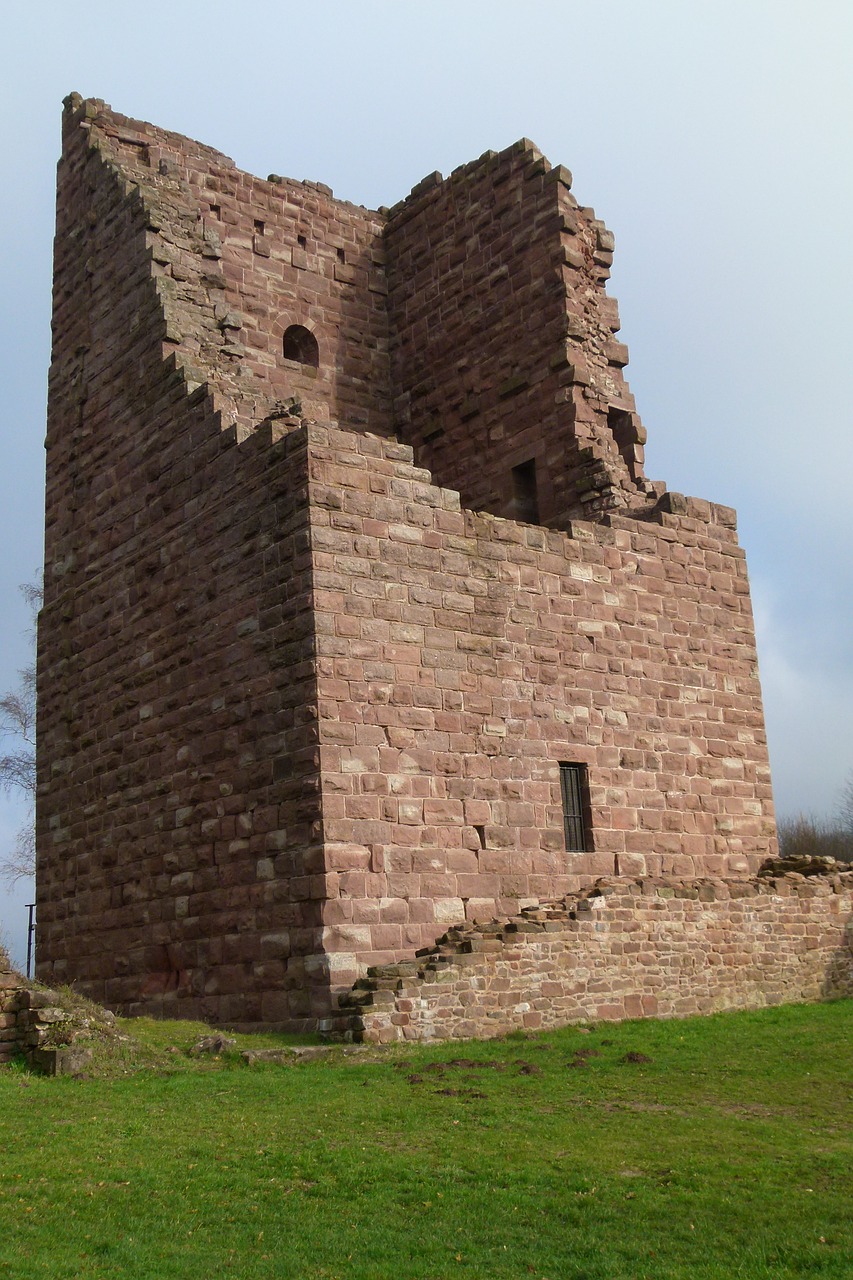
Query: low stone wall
{"type": "Point", "coordinates": [31, 1023]}
{"type": "Point", "coordinates": [622, 949]}
{"type": "Point", "coordinates": [10, 987]}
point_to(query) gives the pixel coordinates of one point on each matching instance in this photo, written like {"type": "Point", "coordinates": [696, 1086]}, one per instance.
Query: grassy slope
{"type": "Point", "coordinates": [728, 1154]}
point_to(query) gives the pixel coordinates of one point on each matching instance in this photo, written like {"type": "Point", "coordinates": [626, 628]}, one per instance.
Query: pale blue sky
{"type": "Point", "coordinates": [714, 138]}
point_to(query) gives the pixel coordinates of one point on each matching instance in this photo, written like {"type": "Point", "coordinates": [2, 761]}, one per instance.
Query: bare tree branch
{"type": "Point", "coordinates": [18, 766]}
{"type": "Point", "coordinates": [20, 864]}
{"type": "Point", "coordinates": [33, 593]}
{"type": "Point", "coordinates": [806, 837]}
{"type": "Point", "coordinates": [18, 772]}
{"type": "Point", "coordinates": [18, 711]}
{"type": "Point", "coordinates": [845, 805]}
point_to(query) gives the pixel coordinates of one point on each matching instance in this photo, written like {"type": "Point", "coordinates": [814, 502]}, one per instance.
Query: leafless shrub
{"type": "Point", "coordinates": [18, 763]}
{"type": "Point", "coordinates": [806, 837]}
{"type": "Point", "coordinates": [845, 806]}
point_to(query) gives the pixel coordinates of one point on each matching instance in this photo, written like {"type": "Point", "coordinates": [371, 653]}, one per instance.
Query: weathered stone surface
{"type": "Point", "coordinates": [71, 1060]}
{"type": "Point", "coordinates": [287, 1057]}
{"type": "Point", "coordinates": [327, 606]}
{"type": "Point", "coordinates": [31, 1025]}
{"type": "Point", "coordinates": [667, 951]}
{"type": "Point", "coordinates": [214, 1044]}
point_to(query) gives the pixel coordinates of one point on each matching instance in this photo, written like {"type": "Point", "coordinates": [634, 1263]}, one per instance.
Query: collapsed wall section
{"type": "Point", "coordinates": [271, 290]}
{"type": "Point", "coordinates": [462, 658]}
{"type": "Point", "coordinates": [507, 376]}
{"type": "Point", "coordinates": [34, 1028]}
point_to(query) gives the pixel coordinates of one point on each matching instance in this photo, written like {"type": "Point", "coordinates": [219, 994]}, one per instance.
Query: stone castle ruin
{"type": "Point", "coordinates": [362, 621]}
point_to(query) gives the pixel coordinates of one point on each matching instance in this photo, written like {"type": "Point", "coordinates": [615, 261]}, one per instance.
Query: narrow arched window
{"type": "Point", "coordinates": [301, 345]}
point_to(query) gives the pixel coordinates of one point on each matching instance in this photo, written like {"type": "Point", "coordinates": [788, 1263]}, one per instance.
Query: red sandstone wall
{"type": "Point", "coordinates": [10, 986]}
{"type": "Point", "coordinates": [239, 259]}
{"type": "Point", "coordinates": [629, 950]}
{"type": "Point", "coordinates": [502, 339]}
{"type": "Point", "coordinates": [234, 813]}
{"type": "Point", "coordinates": [178, 809]}
{"type": "Point", "coordinates": [462, 657]}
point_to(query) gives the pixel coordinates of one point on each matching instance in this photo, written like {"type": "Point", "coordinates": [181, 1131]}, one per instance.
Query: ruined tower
{"type": "Point", "coordinates": [361, 617]}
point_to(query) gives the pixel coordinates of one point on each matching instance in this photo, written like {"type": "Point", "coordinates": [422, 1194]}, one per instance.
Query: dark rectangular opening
{"type": "Point", "coordinates": [624, 429]}
{"type": "Point", "coordinates": [525, 498]}
{"type": "Point", "coordinates": [620, 422]}
{"type": "Point", "coordinates": [575, 795]}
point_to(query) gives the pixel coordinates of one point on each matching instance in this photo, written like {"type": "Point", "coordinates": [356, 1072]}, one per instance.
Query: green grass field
{"type": "Point", "coordinates": [711, 1148]}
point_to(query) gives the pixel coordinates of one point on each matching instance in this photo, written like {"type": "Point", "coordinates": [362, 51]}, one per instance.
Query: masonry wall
{"type": "Point", "coordinates": [35, 1026]}
{"type": "Point", "coordinates": [502, 341]}
{"type": "Point", "coordinates": [299, 707]}
{"type": "Point", "coordinates": [10, 1036]}
{"type": "Point", "coordinates": [178, 804]}
{"type": "Point", "coordinates": [625, 950]}
{"type": "Point", "coordinates": [238, 259]}
{"type": "Point", "coordinates": [461, 658]}
{"type": "Point", "coordinates": [27, 1018]}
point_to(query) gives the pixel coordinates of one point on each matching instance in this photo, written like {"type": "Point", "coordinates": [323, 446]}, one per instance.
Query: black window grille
{"type": "Point", "coordinates": [574, 792]}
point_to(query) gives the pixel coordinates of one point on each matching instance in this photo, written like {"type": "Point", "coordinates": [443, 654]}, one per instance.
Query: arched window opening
{"type": "Point", "coordinates": [301, 345]}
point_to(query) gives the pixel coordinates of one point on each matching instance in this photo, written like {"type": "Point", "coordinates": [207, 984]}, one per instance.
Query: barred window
{"type": "Point", "coordinates": [573, 787]}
